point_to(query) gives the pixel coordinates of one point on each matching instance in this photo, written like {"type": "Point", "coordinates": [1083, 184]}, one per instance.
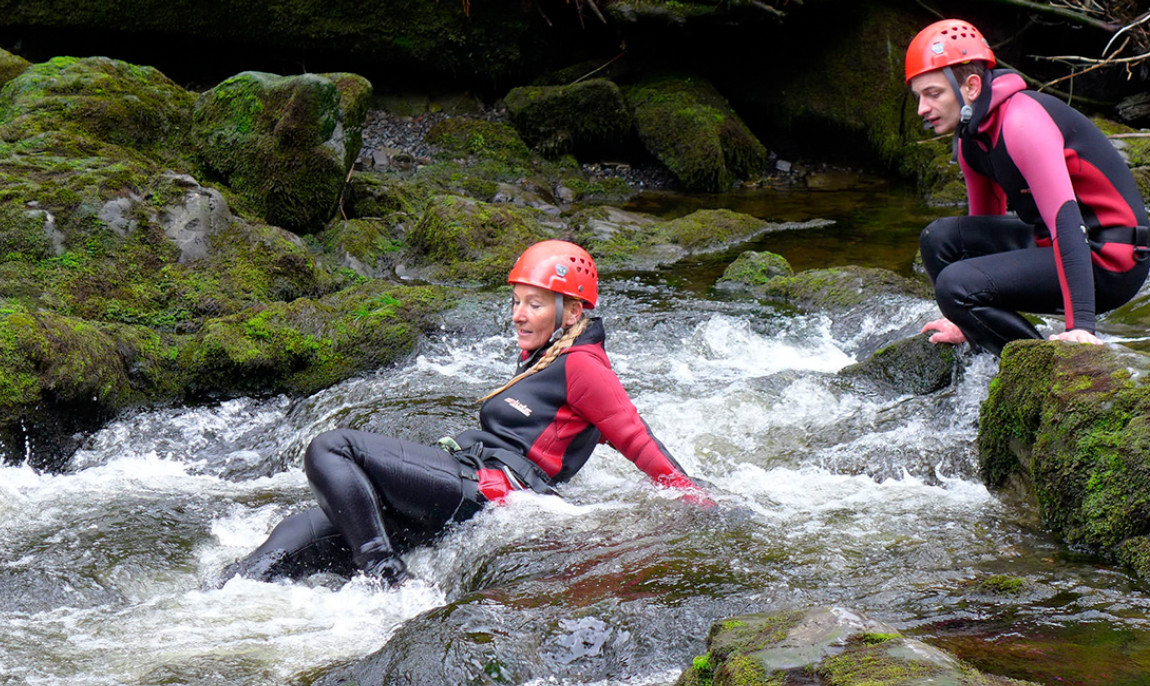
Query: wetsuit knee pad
{"type": "Point", "coordinates": [957, 287]}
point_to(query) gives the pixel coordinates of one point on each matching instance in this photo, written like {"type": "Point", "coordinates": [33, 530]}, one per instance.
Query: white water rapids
{"type": "Point", "coordinates": [825, 495]}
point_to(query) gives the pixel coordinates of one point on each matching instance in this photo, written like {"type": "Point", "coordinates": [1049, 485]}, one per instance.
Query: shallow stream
{"type": "Point", "coordinates": [826, 494]}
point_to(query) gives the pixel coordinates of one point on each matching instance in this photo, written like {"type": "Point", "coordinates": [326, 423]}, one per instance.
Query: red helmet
{"type": "Point", "coordinates": [561, 267]}
{"type": "Point", "coordinates": [944, 44]}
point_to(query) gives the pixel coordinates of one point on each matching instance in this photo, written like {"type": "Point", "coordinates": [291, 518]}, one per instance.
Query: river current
{"type": "Point", "coordinates": [826, 494]}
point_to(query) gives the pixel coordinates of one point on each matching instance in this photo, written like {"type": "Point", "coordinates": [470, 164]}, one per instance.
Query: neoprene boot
{"type": "Point", "coordinates": [378, 561]}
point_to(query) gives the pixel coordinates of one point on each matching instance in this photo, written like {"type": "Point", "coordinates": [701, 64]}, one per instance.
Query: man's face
{"type": "Point", "coordinates": [937, 104]}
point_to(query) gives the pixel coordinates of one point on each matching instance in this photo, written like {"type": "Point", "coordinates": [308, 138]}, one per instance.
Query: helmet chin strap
{"type": "Point", "coordinates": [558, 316]}
{"type": "Point", "coordinates": [967, 111]}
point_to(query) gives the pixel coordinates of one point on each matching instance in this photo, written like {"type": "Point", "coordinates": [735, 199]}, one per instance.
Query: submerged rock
{"type": "Point", "coordinates": [831, 646]}
{"type": "Point", "coordinates": [912, 366]}
{"type": "Point", "coordinates": [1067, 426]}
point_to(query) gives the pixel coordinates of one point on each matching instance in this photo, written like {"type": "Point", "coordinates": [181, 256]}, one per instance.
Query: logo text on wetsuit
{"type": "Point", "coordinates": [519, 406]}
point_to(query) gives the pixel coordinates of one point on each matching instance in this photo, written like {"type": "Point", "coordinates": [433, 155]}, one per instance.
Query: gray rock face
{"type": "Point", "coordinates": [189, 224]}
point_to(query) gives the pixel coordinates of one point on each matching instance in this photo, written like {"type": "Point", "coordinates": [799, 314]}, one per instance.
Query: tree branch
{"type": "Point", "coordinates": [1062, 12]}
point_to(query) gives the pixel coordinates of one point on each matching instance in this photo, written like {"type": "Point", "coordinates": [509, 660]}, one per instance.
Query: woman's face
{"type": "Point", "coordinates": [533, 314]}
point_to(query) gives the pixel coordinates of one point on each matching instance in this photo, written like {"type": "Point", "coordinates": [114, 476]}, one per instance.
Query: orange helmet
{"type": "Point", "coordinates": [944, 44]}
{"type": "Point", "coordinates": [558, 266]}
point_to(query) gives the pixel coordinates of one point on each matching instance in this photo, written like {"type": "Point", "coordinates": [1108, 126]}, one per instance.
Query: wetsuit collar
{"type": "Point", "coordinates": [1000, 84]}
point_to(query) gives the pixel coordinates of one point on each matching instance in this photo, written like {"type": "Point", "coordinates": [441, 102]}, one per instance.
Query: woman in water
{"type": "Point", "coordinates": [380, 496]}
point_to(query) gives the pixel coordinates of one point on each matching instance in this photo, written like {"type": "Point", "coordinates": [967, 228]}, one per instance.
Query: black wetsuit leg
{"type": "Point", "coordinates": [383, 494]}
{"type": "Point", "coordinates": [300, 545]}
{"type": "Point", "coordinates": [986, 269]}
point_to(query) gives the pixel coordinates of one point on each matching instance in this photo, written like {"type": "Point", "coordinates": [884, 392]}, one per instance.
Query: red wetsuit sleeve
{"type": "Point", "coordinates": [595, 393]}
{"type": "Point", "coordinates": [1036, 146]}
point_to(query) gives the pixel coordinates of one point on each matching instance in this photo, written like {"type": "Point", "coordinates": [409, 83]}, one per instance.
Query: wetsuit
{"type": "Point", "coordinates": [380, 495]}
{"type": "Point", "coordinates": [1078, 243]}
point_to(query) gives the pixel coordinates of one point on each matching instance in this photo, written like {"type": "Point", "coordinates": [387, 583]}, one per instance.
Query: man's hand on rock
{"type": "Point", "coordinates": [945, 332]}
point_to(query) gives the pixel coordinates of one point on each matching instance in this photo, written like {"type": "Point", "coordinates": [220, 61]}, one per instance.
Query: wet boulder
{"type": "Point", "coordinates": [60, 377]}
{"type": "Point", "coordinates": [688, 125]}
{"type": "Point", "coordinates": [83, 105]}
{"type": "Point", "coordinates": [834, 646]}
{"type": "Point", "coordinates": [622, 240]}
{"type": "Point", "coordinates": [284, 143]}
{"type": "Point", "coordinates": [912, 366]}
{"type": "Point", "coordinates": [871, 307]}
{"type": "Point", "coordinates": [586, 119]}
{"type": "Point", "coordinates": [1067, 427]}
{"type": "Point", "coordinates": [11, 66]}
{"type": "Point", "coordinates": [838, 289]}
{"type": "Point", "coordinates": [752, 269]}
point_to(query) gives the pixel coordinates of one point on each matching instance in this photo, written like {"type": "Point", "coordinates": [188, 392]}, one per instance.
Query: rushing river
{"type": "Point", "coordinates": [825, 494]}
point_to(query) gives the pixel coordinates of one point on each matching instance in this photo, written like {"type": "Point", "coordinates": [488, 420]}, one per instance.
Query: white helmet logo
{"type": "Point", "coordinates": [937, 48]}
{"type": "Point", "coordinates": [561, 270]}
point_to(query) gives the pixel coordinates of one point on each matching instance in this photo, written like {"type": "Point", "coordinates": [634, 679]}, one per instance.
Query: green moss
{"type": "Point", "coordinates": [1070, 423]}
{"type": "Point", "coordinates": [273, 139]}
{"type": "Point", "coordinates": [870, 665]}
{"type": "Point", "coordinates": [121, 104]}
{"type": "Point", "coordinates": [588, 119]}
{"type": "Point", "coordinates": [691, 129]}
{"type": "Point", "coordinates": [1001, 584]}
{"type": "Point", "coordinates": [462, 136]}
{"type": "Point", "coordinates": [749, 635]}
{"type": "Point", "coordinates": [305, 345]}
{"type": "Point", "coordinates": [740, 670]}
{"type": "Point", "coordinates": [468, 241]}
{"type": "Point", "coordinates": [756, 268]}
{"type": "Point", "coordinates": [609, 190]}
{"type": "Point", "coordinates": [840, 288]}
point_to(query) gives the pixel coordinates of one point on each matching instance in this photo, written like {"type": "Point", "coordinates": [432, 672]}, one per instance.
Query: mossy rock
{"type": "Point", "coordinates": [1003, 585]}
{"type": "Point", "coordinates": [372, 195]}
{"type": "Point", "coordinates": [284, 143]}
{"type": "Point", "coordinates": [753, 269]}
{"type": "Point", "coordinates": [302, 346]}
{"type": "Point", "coordinates": [461, 240]}
{"type": "Point", "coordinates": [832, 645]}
{"type": "Point", "coordinates": [463, 137]}
{"type": "Point", "coordinates": [601, 191]}
{"type": "Point", "coordinates": [587, 119]}
{"type": "Point", "coordinates": [61, 376]}
{"type": "Point", "coordinates": [841, 288]}
{"type": "Point", "coordinates": [96, 98]}
{"type": "Point", "coordinates": [689, 127]}
{"type": "Point", "coordinates": [11, 66]}
{"type": "Point", "coordinates": [368, 247]}
{"type": "Point", "coordinates": [1069, 425]}
{"type": "Point", "coordinates": [628, 241]}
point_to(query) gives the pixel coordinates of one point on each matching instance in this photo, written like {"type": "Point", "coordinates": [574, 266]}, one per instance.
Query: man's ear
{"type": "Point", "coordinates": [973, 87]}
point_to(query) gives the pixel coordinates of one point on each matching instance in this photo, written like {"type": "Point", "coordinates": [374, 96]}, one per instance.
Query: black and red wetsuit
{"type": "Point", "coordinates": [1077, 245]}
{"type": "Point", "coordinates": [379, 495]}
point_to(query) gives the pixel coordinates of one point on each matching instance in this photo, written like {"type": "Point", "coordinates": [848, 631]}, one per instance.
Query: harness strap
{"type": "Point", "coordinates": [524, 471]}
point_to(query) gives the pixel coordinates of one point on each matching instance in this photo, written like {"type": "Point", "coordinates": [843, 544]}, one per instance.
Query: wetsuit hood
{"type": "Point", "coordinates": [1000, 85]}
